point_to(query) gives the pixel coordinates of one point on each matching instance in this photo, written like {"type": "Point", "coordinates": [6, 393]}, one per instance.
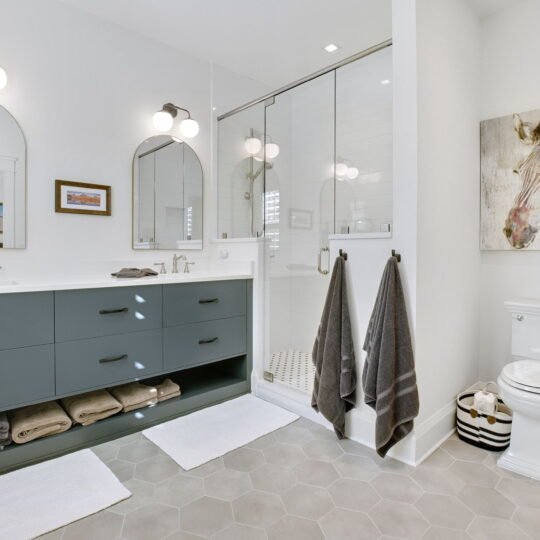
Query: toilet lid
{"type": "Point", "coordinates": [524, 373]}
{"type": "Point", "coordinates": [522, 387]}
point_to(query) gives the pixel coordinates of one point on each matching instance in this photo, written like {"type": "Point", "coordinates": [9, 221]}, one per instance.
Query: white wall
{"type": "Point", "coordinates": [83, 91]}
{"type": "Point", "coordinates": [509, 83]}
{"type": "Point", "coordinates": [447, 324]}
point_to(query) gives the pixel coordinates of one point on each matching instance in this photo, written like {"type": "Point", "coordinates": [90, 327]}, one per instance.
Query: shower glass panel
{"type": "Point", "coordinates": [240, 185]}
{"type": "Point", "coordinates": [299, 216]}
{"type": "Point", "coordinates": [364, 145]}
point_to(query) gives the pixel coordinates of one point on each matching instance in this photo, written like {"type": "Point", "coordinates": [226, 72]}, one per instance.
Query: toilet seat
{"type": "Point", "coordinates": [523, 375]}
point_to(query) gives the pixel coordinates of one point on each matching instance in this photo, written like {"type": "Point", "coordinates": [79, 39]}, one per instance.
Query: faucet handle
{"type": "Point", "coordinates": [186, 267]}
{"type": "Point", "coordinates": [162, 270]}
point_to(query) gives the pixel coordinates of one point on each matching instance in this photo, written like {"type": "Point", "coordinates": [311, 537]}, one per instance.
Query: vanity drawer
{"type": "Point", "coordinates": [102, 312]}
{"type": "Point", "coordinates": [205, 301]}
{"type": "Point", "coordinates": [200, 343]}
{"type": "Point", "coordinates": [26, 319]}
{"type": "Point", "coordinates": [26, 374]}
{"type": "Point", "coordinates": [90, 363]}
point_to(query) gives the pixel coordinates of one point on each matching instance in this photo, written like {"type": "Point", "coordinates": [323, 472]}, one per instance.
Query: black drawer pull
{"type": "Point", "coordinates": [209, 301]}
{"type": "Point", "coordinates": [106, 360]}
{"type": "Point", "coordinates": [204, 341]}
{"type": "Point", "coordinates": [109, 311]}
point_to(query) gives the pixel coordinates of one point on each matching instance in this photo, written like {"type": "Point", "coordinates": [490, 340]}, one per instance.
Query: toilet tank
{"type": "Point", "coordinates": [525, 327]}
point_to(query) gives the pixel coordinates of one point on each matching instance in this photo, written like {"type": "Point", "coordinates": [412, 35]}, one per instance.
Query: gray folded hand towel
{"type": "Point", "coordinates": [90, 407]}
{"type": "Point", "coordinates": [389, 377]}
{"type": "Point", "coordinates": [134, 273]}
{"type": "Point", "coordinates": [333, 355]}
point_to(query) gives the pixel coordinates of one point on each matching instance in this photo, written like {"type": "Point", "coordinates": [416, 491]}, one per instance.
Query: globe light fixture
{"type": "Point", "coordinates": [164, 119]}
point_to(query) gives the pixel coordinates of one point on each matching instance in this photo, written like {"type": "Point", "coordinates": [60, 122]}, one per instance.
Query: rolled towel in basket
{"type": "Point", "coordinates": [134, 396]}
{"type": "Point", "coordinates": [5, 436]}
{"type": "Point", "coordinates": [35, 421]}
{"type": "Point", "coordinates": [88, 408]}
{"type": "Point", "coordinates": [167, 390]}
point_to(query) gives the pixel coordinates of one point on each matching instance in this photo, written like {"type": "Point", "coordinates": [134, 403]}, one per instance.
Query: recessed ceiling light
{"type": "Point", "coordinates": [331, 47]}
{"type": "Point", "coordinates": [385, 81]}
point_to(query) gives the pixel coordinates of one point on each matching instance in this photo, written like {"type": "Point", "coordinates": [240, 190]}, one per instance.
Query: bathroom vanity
{"type": "Point", "coordinates": [65, 339]}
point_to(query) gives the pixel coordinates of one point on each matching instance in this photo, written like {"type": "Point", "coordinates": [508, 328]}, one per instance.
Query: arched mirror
{"type": "Point", "coordinates": [12, 183]}
{"type": "Point", "coordinates": [167, 195]}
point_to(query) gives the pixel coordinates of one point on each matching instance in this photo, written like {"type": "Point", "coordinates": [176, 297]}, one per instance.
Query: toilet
{"type": "Point", "coordinates": [519, 385]}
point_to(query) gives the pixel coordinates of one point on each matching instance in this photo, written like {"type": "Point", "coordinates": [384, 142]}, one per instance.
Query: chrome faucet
{"type": "Point", "coordinates": [186, 266]}
{"type": "Point", "coordinates": [175, 260]}
{"type": "Point", "coordinates": [162, 270]}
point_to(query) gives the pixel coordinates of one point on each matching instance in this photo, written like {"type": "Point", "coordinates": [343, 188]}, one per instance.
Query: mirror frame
{"type": "Point", "coordinates": [176, 139]}
{"type": "Point", "coordinates": [25, 182]}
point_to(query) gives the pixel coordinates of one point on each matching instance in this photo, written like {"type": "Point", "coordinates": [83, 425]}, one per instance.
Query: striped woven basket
{"type": "Point", "coordinates": [491, 432]}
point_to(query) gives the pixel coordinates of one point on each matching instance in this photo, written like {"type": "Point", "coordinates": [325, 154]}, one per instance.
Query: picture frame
{"type": "Point", "coordinates": [82, 198]}
{"type": "Point", "coordinates": [300, 219]}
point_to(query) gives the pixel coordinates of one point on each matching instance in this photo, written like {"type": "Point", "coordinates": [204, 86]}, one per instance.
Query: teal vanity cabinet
{"type": "Point", "coordinates": [59, 343]}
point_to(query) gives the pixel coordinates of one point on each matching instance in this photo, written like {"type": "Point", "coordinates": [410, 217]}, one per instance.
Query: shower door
{"type": "Point", "coordinates": [298, 217]}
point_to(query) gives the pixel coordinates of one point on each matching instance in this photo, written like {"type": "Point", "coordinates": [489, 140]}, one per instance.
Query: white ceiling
{"type": "Point", "coordinates": [274, 42]}
{"type": "Point", "coordinates": [484, 8]}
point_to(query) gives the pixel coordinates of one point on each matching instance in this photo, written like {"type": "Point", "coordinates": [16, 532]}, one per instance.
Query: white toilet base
{"type": "Point", "coordinates": [522, 456]}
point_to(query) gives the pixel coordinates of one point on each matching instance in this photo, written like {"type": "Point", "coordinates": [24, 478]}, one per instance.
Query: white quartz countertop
{"type": "Point", "coordinates": [63, 283]}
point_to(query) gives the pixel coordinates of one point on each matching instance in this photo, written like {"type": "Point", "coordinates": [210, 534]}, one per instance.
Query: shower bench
{"type": "Point", "coordinates": [55, 344]}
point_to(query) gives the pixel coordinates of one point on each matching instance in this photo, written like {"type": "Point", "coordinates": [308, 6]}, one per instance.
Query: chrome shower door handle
{"type": "Point", "coordinates": [319, 266]}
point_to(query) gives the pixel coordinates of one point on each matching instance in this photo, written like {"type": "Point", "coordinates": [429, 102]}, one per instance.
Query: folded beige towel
{"type": "Point", "coordinates": [167, 390]}
{"type": "Point", "coordinates": [35, 421]}
{"type": "Point", "coordinates": [134, 395]}
{"type": "Point", "coordinates": [88, 408]}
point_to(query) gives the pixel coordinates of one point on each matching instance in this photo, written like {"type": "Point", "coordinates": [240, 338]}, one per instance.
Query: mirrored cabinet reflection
{"type": "Point", "coordinates": [167, 195]}
{"type": "Point", "coordinates": [12, 183]}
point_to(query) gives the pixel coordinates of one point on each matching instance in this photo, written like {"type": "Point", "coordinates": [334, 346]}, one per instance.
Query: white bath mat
{"type": "Point", "coordinates": [204, 435]}
{"type": "Point", "coordinates": [44, 497]}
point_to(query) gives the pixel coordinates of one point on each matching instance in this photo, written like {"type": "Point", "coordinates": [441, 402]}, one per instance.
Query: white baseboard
{"type": "Point", "coordinates": [519, 465]}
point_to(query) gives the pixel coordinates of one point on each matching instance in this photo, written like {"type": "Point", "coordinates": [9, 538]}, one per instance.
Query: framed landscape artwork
{"type": "Point", "coordinates": [510, 181]}
{"type": "Point", "coordinates": [80, 198]}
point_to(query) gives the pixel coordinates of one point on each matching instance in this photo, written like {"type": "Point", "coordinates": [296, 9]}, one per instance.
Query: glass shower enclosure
{"type": "Point", "coordinates": [294, 169]}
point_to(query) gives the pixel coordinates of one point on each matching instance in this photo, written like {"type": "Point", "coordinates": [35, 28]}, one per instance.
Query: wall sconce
{"type": "Point", "coordinates": [163, 120]}
{"type": "Point", "coordinates": [3, 78]}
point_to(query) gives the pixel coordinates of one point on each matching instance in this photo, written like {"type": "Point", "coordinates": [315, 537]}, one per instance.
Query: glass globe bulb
{"type": "Point", "coordinates": [189, 128]}
{"type": "Point", "coordinates": [253, 145]}
{"type": "Point", "coordinates": [352, 173]}
{"type": "Point", "coordinates": [271, 150]}
{"type": "Point", "coordinates": [341, 169]}
{"type": "Point", "coordinates": [162, 120]}
{"type": "Point", "coordinates": [3, 78]}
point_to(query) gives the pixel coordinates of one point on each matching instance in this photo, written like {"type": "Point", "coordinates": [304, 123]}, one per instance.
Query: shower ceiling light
{"type": "Point", "coordinates": [3, 78]}
{"type": "Point", "coordinates": [253, 145]}
{"type": "Point", "coordinates": [163, 120]}
{"type": "Point", "coordinates": [271, 150]}
{"type": "Point", "coordinates": [331, 47]}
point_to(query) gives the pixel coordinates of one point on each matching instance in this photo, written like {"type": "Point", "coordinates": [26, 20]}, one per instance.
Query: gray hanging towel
{"type": "Point", "coordinates": [389, 378]}
{"type": "Point", "coordinates": [333, 355]}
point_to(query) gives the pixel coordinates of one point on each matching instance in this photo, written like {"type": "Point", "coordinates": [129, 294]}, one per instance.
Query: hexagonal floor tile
{"type": "Point", "coordinates": [205, 516]}
{"type": "Point", "coordinates": [227, 484]}
{"type": "Point", "coordinates": [483, 528]}
{"type": "Point", "coordinates": [274, 478]}
{"type": "Point", "coordinates": [106, 451]}
{"type": "Point", "coordinates": [286, 455]}
{"type": "Point", "coordinates": [444, 511]}
{"type": "Point", "coordinates": [435, 480]}
{"type": "Point", "coordinates": [466, 452]}
{"type": "Point", "coordinates": [208, 468]}
{"type": "Point", "coordinates": [138, 451]}
{"type": "Point", "coordinates": [103, 525]}
{"type": "Point", "coordinates": [291, 527]}
{"type": "Point", "coordinates": [398, 519]}
{"type": "Point", "coordinates": [152, 521]}
{"type": "Point", "coordinates": [520, 492]}
{"type": "Point", "coordinates": [528, 519]}
{"type": "Point", "coordinates": [236, 531]}
{"type": "Point", "coordinates": [179, 490]}
{"type": "Point", "coordinates": [183, 535]}
{"type": "Point", "coordinates": [356, 467]}
{"type": "Point", "coordinates": [307, 502]}
{"type": "Point", "coordinates": [352, 447]}
{"type": "Point", "coordinates": [293, 435]}
{"type": "Point", "coordinates": [156, 469]}
{"type": "Point", "coordinates": [440, 459]}
{"type": "Point", "coordinates": [397, 487]}
{"type": "Point", "coordinates": [258, 508]}
{"type": "Point", "coordinates": [316, 473]}
{"type": "Point", "coordinates": [262, 442]}
{"type": "Point", "coordinates": [474, 473]}
{"type": "Point", "coordinates": [442, 533]}
{"type": "Point", "coordinates": [323, 450]}
{"type": "Point", "coordinates": [244, 459]}
{"type": "Point", "coordinates": [487, 502]}
{"type": "Point", "coordinates": [339, 524]}
{"type": "Point", "coordinates": [123, 470]}
{"type": "Point", "coordinates": [353, 494]}
{"type": "Point", "coordinates": [142, 493]}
